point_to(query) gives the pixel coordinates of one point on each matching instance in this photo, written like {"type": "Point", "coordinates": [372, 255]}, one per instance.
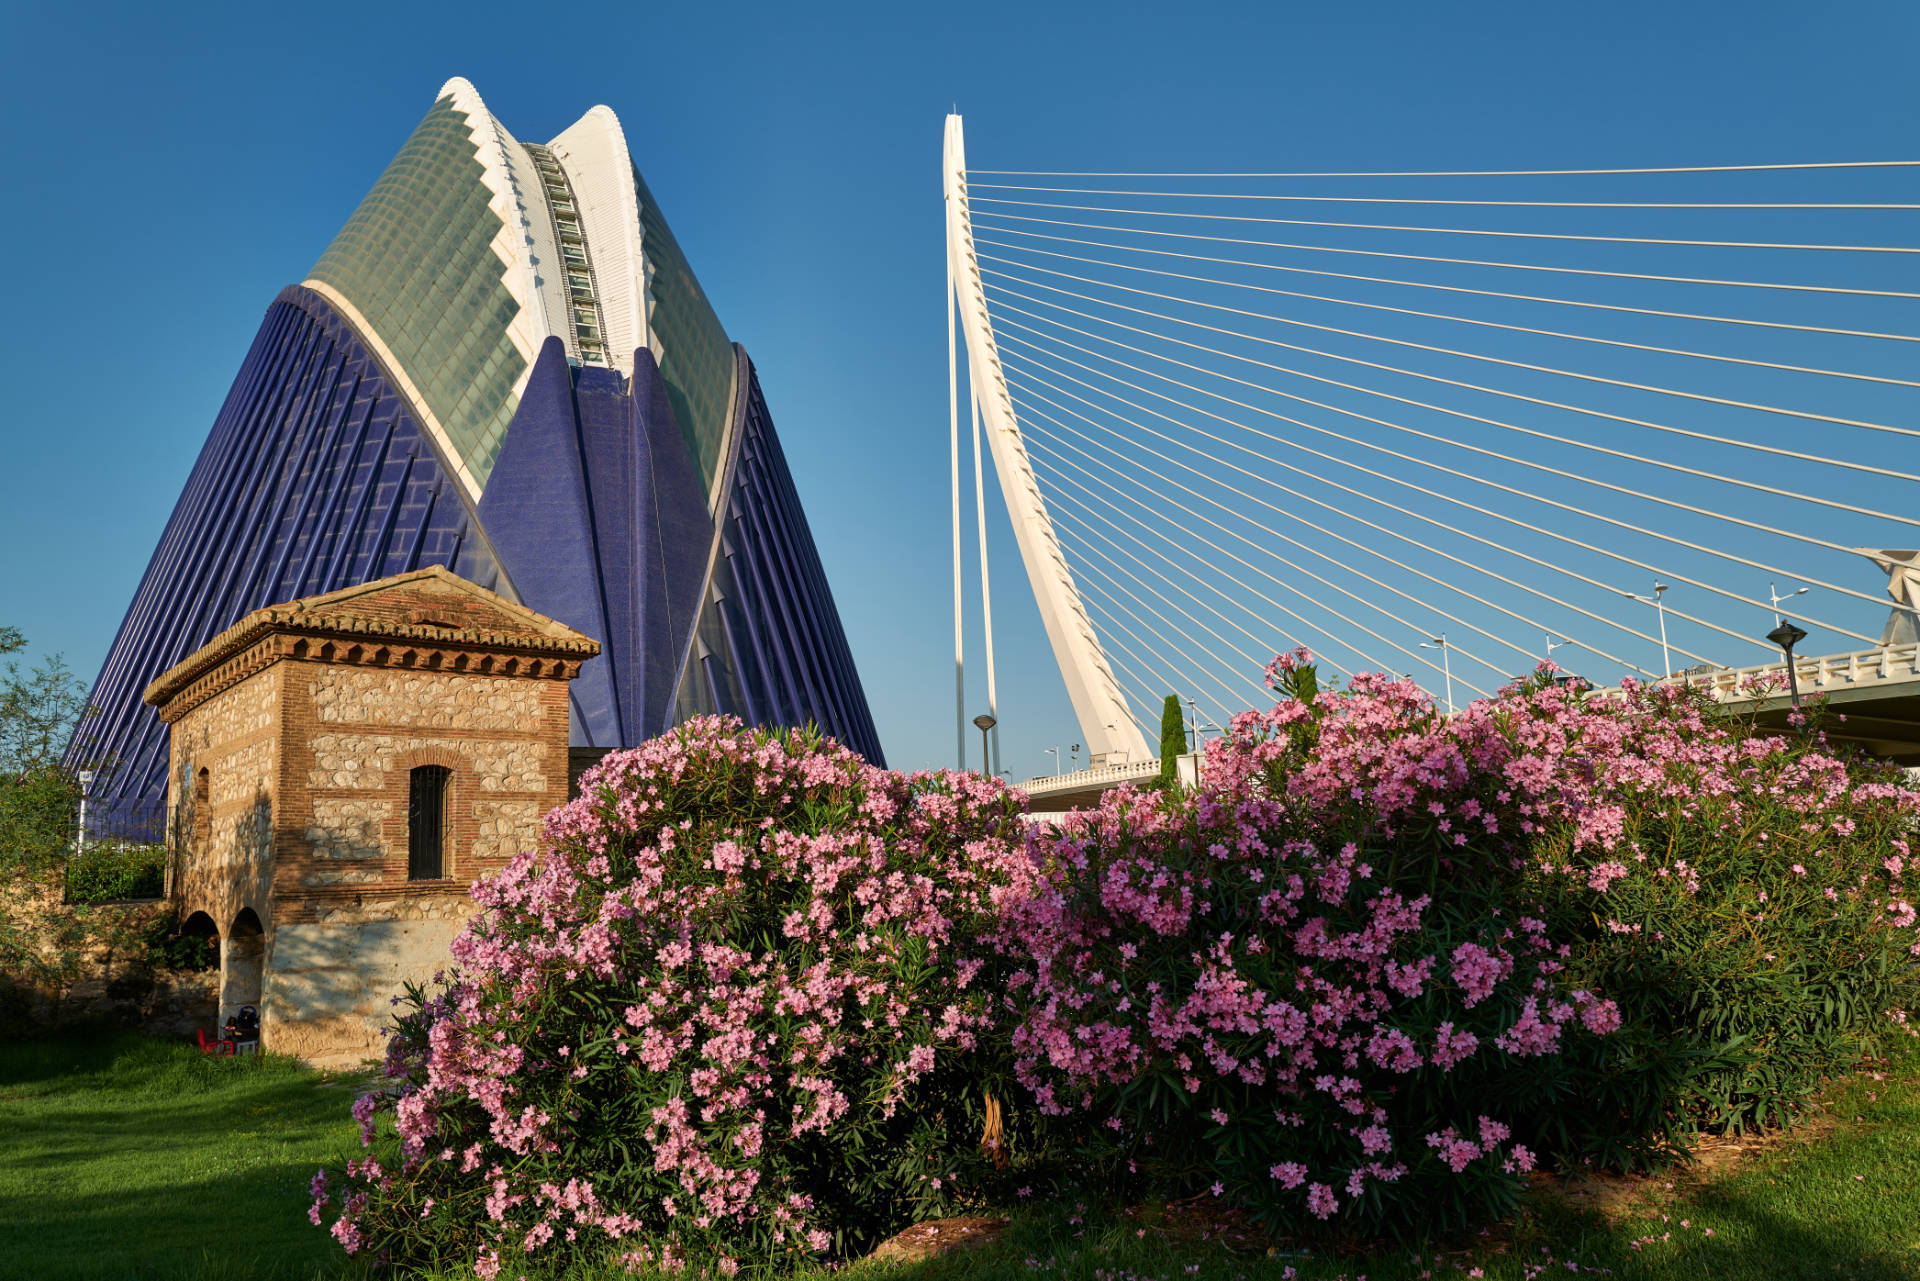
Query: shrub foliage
{"type": "Point", "coordinates": [753, 1000]}
{"type": "Point", "coordinates": [105, 872]}
{"type": "Point", "coordinates": [1313, 985]}
{"type": "Point", "coordinates": [738, 1008]}
{"type": "Point", "coordinates": [1173, 740]}
{"type": "Point", "coordinates": [1741, 895]}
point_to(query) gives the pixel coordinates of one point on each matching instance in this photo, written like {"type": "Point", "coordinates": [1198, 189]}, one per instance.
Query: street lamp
{"type": "Point", "coordinates": [1656, 600]}
{"type": "Point", "coordinates": [985, 723]}
{"type": "Point", "coordinates": [1778, 617]}
{"type": "Point", "coordinates": [1553, 644]}
{"type": "Point", "coordinates": [1786, 636]}
{"type": "Point", "coordinates": [1073, 757]}
{"type": "Point", "coordinates": [1055, 753]}
{"type": "Point", "coordinates": [86, 783]}
{"type": "Point", "coordinates": [1446, 661]}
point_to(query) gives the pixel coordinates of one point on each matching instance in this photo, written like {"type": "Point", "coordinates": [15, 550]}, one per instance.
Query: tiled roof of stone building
{"type": "Point", "coordinates": [431, 607]}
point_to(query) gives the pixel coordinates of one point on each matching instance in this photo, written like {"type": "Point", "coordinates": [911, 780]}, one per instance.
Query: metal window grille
{"type": "Point", "coordinates": [427, 822]}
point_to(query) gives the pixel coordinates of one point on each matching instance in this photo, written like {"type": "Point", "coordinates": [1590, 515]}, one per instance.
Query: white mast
{"type": "Point", "coordinates": [953, 436]}
{"type": "Point", "coordinates": [1098, 702]}
{"type": "Point", "coordinates": [986, 590]}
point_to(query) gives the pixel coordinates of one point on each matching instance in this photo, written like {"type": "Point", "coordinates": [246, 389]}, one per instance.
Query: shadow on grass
{"type": "Point", "coordinates": [127, 1157]}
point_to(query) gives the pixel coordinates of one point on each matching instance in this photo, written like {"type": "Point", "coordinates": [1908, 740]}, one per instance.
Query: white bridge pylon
{"type": "Point", "coordinates": [1106, 721]}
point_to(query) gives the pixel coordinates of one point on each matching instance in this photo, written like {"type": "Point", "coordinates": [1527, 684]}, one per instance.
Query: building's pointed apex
{"type": "Point", "coordinates": [458, 87]}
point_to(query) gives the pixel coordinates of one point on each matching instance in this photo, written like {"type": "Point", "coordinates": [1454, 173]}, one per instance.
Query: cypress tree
{"type": "Point", "coordinates": [1173, 740]}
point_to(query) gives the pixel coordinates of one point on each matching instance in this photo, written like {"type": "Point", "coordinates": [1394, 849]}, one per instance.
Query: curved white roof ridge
{"type": "Point", "coordinates": [459, 87]}
{"type": "Point", "coordinates": [593, 151]}
{"type": "Point", "coordinates": [525, 234]}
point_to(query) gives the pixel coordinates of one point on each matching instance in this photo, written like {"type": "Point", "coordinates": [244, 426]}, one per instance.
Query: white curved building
{"type": "Point", "coordinates": [504, 364]}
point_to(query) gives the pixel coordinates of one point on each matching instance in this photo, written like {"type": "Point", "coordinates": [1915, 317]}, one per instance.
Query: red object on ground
{"type": "Point", "coordinates": [213, 1047]}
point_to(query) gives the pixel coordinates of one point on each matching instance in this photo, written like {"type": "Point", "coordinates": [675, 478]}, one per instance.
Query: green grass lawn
{"type": "Point", "coordinates": [128, 1157]}
{"type": "Point", "coordinates": [133, 1158]}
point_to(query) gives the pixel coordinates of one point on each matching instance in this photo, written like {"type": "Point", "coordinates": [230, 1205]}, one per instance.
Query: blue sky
{"type": "Point", "coordinates": [169, 170]}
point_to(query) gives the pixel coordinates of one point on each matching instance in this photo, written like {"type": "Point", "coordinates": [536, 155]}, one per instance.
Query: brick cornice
{"type": "Point", "coordinates": [330, 629]}
{"type": "Point", "coordinates": [439, 653]}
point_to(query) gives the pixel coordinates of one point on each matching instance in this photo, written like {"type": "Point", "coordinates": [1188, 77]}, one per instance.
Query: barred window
{"type": "Point", "coordinates": [427, 822]}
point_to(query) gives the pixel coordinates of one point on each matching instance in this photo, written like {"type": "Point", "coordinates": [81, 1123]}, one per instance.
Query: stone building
{"type": "Point", "coordinates": [342, 768]}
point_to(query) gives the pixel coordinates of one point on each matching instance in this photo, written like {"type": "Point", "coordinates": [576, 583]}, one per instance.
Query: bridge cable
{"type": "Point", "coordinates": [1452, 231]}
{"type": "Point", "coordinates": [1459, 173]}
{"type": "Point", "coordinates": [1779, 572]}
{"type": "Point", "coordinates": [1652, 498]}
{"type": "Point", "coordinates": [1441, 315]}
{"type": "Point", "coordinates": [1470, 262]}
{"type": "Point", "coordinates": [1420, 200]}
{"type": "Point", "coordinates": [1434, 285]}
{"type": "Point", "coordinates": [1297, 591]}
{"type": "Point", "coordinates": [1454, 587]}
{"type": "Point", "coordinates": [1451, 382]}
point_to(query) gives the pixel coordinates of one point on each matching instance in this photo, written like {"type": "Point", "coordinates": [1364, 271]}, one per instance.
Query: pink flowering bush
{"type": "Point", "coordinates": [737, 1007]}
{"type": "Point", "coordinates": [1743, 896]}
{"type": "Point", "coordinates": [1380, 962]}
{"type": "Point", "coordinates": [1315, 984]}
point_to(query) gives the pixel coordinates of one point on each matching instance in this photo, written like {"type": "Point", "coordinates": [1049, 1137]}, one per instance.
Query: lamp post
{"type": "Point", "coordinates": [985, 723]}
{"type": "Point", "coordinates": [1778, 599]}
{"type": "Point", "coordinates": [1446, 662]}
{"type": "Point", "coordinates": [1073, 757]}
{"type": "Point", "coordinates": [1553, 644]}
{"type": "Point", "coordinates": [1658, 601]}
{"type": "Point", "coordinates": [1786, 636]}
{"type": "Point", "coordinates": [86, 783]}
{"type": "Point", "coordinates": [1055, 753]}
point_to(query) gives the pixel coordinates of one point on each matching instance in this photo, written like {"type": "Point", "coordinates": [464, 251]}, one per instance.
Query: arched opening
{"type": "Point", "coordinates": [199, 945]}
{"type": "Point", "coordinates": [427, 822]}
{"type": "Point", "coordinates": [202, 811]}
{"type": "Point", "coordinates": [242, 961]}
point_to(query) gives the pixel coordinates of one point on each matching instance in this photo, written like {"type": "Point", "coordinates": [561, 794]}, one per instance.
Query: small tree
{"type": "Point", "coordinates": [38, 712]}
{"type": "Point", "coordinates": [1173, 740]}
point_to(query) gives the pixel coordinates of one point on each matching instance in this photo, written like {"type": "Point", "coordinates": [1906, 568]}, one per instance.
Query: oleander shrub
{"type": "Point", "coordinates": [736, 1009]}
{"type": "Point", "coordinates": [1743, 896]}
{"type": "Point", "coordinates": [108, 871]}
{"type": "Point", "coordinates": [1316, 985]}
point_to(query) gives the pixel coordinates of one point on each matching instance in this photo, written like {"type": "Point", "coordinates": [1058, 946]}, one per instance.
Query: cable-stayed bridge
{"type": "Point", "coordinates": [1448, 425]}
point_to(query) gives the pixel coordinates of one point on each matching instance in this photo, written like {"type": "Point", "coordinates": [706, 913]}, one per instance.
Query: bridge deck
{"type": "Point", "coordinates": [1877, 691]}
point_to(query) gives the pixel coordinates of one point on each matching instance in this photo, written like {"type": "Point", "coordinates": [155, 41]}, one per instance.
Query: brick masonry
{"type": "Point", "coordinates": [294, 736]}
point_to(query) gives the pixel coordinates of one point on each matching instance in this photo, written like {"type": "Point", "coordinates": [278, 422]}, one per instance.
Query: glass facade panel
{"type": "Point", "coordinates": [417, 260]}
{"type": "Point", "coordinates": [697, 364]}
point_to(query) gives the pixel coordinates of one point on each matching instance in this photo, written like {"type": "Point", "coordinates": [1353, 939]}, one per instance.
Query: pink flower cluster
{"type": "Point", "coordinates": [1272, 950]}
{"type": "Point", "coordinates": [734, 947]}
{"type": "Point", "coordinates": [741, 955]}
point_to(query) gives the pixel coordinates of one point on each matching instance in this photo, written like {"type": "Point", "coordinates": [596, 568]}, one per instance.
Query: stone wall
{"type": "Point", "coordinates": [222, 859]}
{"type": "Point", "coordinates": [309, 720]}
{"type": "Point", "coordinates": [331, 982]}
{"type": "Point", "coordinates": [355, 734]}
{"type": "Point", "coordinates": [350, 930]}
{"type": "Point", "coordinates": [87, 969]}
{"type": "Point", "coordinates": [427, 701]}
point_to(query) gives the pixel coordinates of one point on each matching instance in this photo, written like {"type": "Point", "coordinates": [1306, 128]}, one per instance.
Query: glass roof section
{"type": "Point", "coordinates": [696, 361]}
{"type": "Point", "coordinates": [417, 260]}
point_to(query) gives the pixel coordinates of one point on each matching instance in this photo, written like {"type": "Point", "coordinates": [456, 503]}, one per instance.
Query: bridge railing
{"type": "Point", "coordinates": [1097, 776]}
{"type": "Point", "coordinates": [1859, 669]}
{"type": "Point", "coordinates": [1862, 667]}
